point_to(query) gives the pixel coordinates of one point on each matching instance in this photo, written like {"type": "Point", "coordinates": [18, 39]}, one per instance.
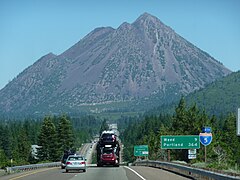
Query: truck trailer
{"type": "Point", "coordinates": [108, 149]}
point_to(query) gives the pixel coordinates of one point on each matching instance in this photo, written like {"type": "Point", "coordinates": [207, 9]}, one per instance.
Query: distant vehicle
{"type": "Point", "coordinates": [109, 157]}
{"type": "Point", "coordinates": [108, 137]}
{"type": "Point", "coordinates": [76, 162]}
{"type": "Point", "coordinates": [64, 158]}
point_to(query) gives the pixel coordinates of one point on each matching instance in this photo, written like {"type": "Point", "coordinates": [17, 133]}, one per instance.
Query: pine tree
{"type": "Point", "coordinates": [6, 141]}
{"type": "Point", "coordinates": [24, 146]}
{"type": "Point", "coordinates": [65, 134]}
{"type": "Point", "coordinates": [193, 117]}
{"type": "Point", "coordinates": [47, 141]}
{"type": "Point", "coordinates": [180, 119]}
{"type": "Point", "coordinates": [3, 159]}
{"type": "Point", "coordinates": [183, 124]}
{"type": "Point", "coordinates": [231, 139]}
{"type": "Point", "coordinates": [162, 153]}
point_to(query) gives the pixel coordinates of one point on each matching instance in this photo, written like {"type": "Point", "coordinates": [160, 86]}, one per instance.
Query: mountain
{"type": "Point", "coordinates": [220, 97]}
{"type": "Point", "coordinates": [111, 68]}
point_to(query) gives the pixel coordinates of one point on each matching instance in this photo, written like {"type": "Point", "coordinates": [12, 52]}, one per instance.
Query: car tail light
{"type": "Point", "coordinates": [69, 163]}
{"type": "Point", "coordinates": [83, 162]}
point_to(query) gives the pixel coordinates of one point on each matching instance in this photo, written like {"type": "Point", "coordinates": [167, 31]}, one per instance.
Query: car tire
{"type": "Point", "coordinates": [66, 171]}
{"type": "Point", "coordinates": [84, 170]}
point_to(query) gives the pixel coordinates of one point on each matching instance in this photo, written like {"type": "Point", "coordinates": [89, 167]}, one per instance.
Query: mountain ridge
{"type": "Point", "coordinates": [220, 97]}
{"type": "Point", "coordinates": [131, 62]}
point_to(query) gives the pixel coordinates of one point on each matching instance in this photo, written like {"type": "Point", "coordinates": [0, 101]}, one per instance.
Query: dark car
{"type": "Point", "coordinates": [64, 158]}
{"type": "Point", "coordinates": [108, 137]}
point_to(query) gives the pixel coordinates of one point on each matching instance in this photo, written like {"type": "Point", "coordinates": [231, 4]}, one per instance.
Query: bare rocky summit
{"type": "Point", "coordinates": [133, 62]}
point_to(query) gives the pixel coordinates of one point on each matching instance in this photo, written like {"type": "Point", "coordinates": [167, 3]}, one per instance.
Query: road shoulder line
{"type": "Point", "coordinates": [135, 172]}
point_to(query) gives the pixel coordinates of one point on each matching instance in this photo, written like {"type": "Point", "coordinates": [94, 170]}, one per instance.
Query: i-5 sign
{"type": "Point", "coordinates": [205, 138]}
{"type": "Point", "coordinates": [180, 142]}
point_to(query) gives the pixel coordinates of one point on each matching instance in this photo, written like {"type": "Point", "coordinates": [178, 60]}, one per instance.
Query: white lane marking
{"type": "Point", "coordinates": [135, 172]}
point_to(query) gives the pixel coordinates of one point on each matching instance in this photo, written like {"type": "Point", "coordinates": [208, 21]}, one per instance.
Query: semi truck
{"type": "Point", "coordinates": [108, 149]}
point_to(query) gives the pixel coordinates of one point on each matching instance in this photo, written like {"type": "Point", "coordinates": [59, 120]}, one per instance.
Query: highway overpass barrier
{"type": "Point", "coordinates": [188, 171]}
{"type": "Point", "coordinates": [31, 167]}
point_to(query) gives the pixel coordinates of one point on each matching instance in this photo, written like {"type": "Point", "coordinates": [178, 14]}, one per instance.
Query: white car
{"type": "Point", "coordinates": [76, 162]}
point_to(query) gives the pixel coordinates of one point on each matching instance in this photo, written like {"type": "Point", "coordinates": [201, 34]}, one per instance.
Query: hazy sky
{"type": "Point", "coordinates": [29, 29]}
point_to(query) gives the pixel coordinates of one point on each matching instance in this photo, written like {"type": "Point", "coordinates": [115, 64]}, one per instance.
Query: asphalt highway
{"type": "Point", "coordinates": [96, 173]}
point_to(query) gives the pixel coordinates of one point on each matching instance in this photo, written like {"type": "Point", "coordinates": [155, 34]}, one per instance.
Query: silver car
{"type": "Point", "coordinates": [76, 162]}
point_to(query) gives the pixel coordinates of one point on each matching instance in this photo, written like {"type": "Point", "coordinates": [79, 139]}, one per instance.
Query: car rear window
{"type": "Point", "coordinates": [107, 151]}
{"type": "Point", "coordinates": [75, 158]}
{"type": "Point", "coordinates": [107, 135]}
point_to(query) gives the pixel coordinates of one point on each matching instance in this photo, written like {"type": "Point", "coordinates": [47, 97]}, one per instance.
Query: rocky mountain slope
{"type": "Point", "coordinates": [135, 61]}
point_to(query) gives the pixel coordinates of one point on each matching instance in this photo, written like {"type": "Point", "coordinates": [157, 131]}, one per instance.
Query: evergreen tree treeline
{"type": "Point", "coordinates": [53, 135]}
{"type": "Point", "coordinates": [224, 151]}
{"type": "Point", "coordinates": [56, 134]}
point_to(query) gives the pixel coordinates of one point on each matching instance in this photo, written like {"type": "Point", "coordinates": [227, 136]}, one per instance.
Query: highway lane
{"type": "Point", "coordinates": [84, 149]}
{"type": "Point", "coordinates": [89, 153]}
{"type": "Point", "coordinates": [93, 173]}
{"type": "Point", "coordinates": [156, 174]}
{"type": "Point", "coordinates": [96, 173]}
{"type": "Point", "coordinates": [44, 174]}
{"type": "Point", "coordinates": [105, 173]}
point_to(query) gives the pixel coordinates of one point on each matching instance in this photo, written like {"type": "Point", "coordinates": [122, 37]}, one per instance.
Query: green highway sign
{"type": "Point", "coordinates": [180, 142]}
{"type": "Point", "coordinates": [141, 150]}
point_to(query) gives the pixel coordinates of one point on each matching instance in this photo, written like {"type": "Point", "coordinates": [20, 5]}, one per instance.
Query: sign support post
{"type": "Point", "coordinates": [205, 147]}
{"type": "Point", "coordinates": [169, 157]}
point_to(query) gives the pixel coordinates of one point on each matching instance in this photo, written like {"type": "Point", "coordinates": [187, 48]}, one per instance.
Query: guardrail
{"type": "Point", "coordinates": [195, 173]}
{"type": "Point", "coordinates": [31, 167]}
